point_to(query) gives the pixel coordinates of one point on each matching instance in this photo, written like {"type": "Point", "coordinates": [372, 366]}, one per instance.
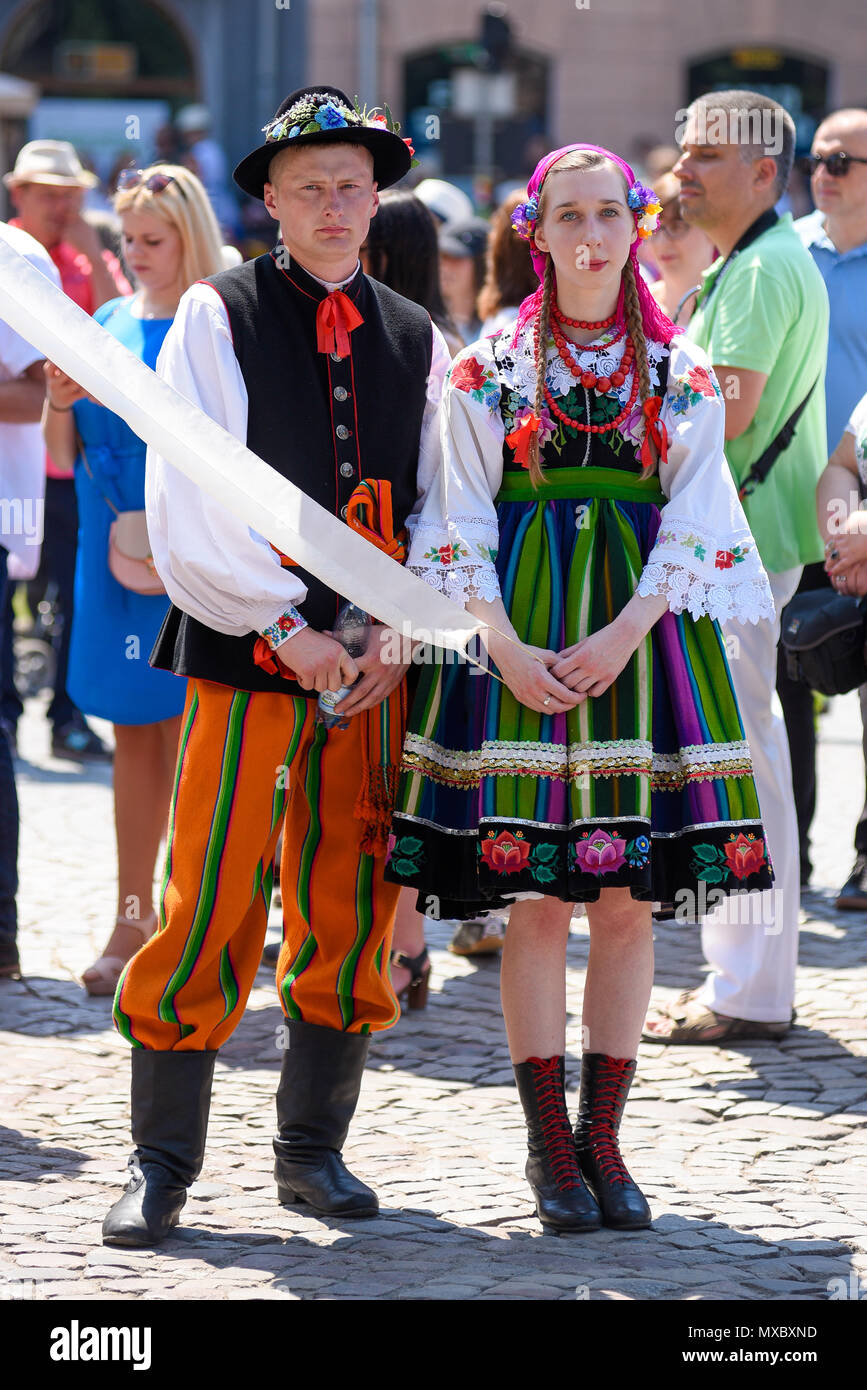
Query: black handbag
{"type": "Point", "coordinates": [824, 636]}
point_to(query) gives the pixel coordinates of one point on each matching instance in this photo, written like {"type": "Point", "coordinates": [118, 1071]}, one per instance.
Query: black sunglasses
{"type": "Point", "coordinates": [837, 164]}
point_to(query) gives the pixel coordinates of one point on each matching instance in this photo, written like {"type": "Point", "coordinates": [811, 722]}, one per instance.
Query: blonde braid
{"type": "Point", "coordinates": [635, 326]}
{"type": "Point", "coordinates": [537, 475]}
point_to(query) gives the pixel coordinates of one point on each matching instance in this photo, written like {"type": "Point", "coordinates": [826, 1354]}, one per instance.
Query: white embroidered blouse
{"type": "Point", "coordinates": [705, 559]}
{"type": "Point", "coordinates": [213, 566]}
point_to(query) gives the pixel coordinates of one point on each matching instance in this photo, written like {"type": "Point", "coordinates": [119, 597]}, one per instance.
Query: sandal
{"type": "Point", "coordinates": [414, 993]}
{"type": "Point", "coordinates": [687, 1020]}
{"type": "Point", "coordinates": [105, 972]}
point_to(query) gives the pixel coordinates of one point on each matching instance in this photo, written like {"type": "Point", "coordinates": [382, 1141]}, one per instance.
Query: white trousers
{"type": "Point", "coordinates": [751, 942]}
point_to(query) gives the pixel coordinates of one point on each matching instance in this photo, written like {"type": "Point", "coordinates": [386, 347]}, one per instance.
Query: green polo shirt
{"type": "Point", "coordinates": [769, 314]}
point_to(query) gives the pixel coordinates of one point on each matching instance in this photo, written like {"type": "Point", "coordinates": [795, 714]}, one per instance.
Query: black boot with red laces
{"type": "Point", "coordinates": [605, 1083]}
{"type": "Point", "coordinates": [563, 1202]}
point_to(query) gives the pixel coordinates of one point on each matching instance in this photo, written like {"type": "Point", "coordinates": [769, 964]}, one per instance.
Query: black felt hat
{"type": "Point", "coordinates": [325, 115]}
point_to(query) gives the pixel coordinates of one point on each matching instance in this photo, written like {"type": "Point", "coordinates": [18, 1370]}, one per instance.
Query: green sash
{"type": "Point", "coordinates": [565, 483]}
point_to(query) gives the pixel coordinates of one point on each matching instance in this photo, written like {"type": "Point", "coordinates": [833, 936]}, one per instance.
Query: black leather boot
{"type": "Point", "coordinates": [605, 1083]}
{"type": "Point", "coordinates": [171, 1096]}
{"type": "Point", "coordinates": [563, 1202]}
{"type": "Point", "coordinates": [316, 1100]}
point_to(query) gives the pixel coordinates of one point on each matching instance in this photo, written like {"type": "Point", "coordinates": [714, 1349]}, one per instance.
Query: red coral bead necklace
{"type": "Point", "coordinates": [590, 379]}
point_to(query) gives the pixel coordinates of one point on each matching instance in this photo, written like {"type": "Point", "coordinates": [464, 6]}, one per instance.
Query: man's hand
{"type": "Point", "coordinates": [316, 661]}
{"type": "Point", "coordinates": [83, 236]}
{"type": "Point", "coordinates": [378, 676]}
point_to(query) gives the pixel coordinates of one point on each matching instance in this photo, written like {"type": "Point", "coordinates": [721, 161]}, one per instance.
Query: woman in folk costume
{"type": "Point", "coordinates": [587, 512]}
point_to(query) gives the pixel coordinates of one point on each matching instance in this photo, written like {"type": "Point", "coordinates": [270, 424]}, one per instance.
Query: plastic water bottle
{"type": "Point", "coordinates": [352, 630]}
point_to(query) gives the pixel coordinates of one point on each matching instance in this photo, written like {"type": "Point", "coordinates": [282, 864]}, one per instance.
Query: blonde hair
{"type": "Point", "coordinates": [184, 205]}
{"type": "Point", "coordinates": [584, 159]}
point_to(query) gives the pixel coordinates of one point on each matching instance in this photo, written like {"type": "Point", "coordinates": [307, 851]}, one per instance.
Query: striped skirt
{"type": "Point", "coordinates": [648, 786]}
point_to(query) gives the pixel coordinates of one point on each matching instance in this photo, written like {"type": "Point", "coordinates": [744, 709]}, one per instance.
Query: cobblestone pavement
{"type": "Point", "coordinates": [754, 1158]}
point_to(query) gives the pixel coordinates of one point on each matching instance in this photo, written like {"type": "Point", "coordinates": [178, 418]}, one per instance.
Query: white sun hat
{"type": "Point", "coordinates": [50, 161]}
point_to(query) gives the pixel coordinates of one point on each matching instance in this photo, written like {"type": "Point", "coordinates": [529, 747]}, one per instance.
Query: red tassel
{"type": "Point", "coordinates": [336, 318]}
{"type": "Point", "coordinates": [655, 434]}
{"type": "Point", "coordinates": [520, 439]}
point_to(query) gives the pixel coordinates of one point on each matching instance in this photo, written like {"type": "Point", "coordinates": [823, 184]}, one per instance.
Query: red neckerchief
{"type": "Point", "coordinates": [336, 317]}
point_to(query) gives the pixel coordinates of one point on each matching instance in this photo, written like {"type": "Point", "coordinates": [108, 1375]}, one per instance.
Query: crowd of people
{"type": "Point", "coordinates": [614, 421]}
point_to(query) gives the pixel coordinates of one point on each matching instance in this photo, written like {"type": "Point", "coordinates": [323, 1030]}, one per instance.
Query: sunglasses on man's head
{"type": "Point", "coordinates": [133, 178]}
{"type": "Point", "coordinates": [838, 164]}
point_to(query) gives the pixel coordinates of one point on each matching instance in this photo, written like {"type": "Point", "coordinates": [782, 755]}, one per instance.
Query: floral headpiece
{"type": "Point", "coordinates": [646, 207]}
{"type": "Point", "coordinates": [320, 111]}
{"type": "Point", "coordinates": [525, 217]}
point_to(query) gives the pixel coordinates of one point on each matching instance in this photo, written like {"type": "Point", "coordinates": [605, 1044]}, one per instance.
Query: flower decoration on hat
{"type": "Point", "coordinates": [646, 207]}
{"type": "Point", "coordinates": [525, 217]}
{"type": "Point", "coordinates": [320, 112]}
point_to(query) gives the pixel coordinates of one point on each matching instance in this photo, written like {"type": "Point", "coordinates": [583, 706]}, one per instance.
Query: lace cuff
{"type": "Point", "coordinates": [750, 600]}
{"type": "Point", "coordinates": [461, 582]}
{"type": "Point", "coordinates": [459, 562]}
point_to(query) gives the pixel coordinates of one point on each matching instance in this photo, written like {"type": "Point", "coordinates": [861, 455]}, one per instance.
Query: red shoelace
{"type": "Point", "coordinates": [556, 1130]}
{"type": "Point", "coordinates": [602, 1136]}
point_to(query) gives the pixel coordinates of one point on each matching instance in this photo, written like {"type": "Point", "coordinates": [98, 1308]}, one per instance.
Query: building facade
{"type": "Point", "coordinates": [613, 72]}
{"type": "Point", "coordinates": [110, 71]}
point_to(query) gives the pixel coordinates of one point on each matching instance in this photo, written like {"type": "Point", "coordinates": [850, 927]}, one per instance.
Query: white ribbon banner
{"type": "Point", "coordinates": [220, 464]}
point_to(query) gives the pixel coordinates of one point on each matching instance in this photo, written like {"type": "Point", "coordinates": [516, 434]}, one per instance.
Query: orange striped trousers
{"type": "Point", "coordinates": [247, 763]}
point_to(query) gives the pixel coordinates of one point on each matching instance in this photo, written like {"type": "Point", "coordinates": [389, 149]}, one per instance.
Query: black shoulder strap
{"type": "Point", "coordinates": [765, 462]}
{"type": "Point", "coordinates": [763, 223]}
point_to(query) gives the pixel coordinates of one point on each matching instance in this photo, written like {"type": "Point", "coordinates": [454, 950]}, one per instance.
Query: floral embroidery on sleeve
{"type": "Point", "coordinates": [723, 559]}
{"type": "Point", "coordinates": [477, 380]}
{"type": "Point", "coordinates": [690, 541]}
{"type": "Point", "coordinates": [446, 554]}
{"type": "Point", "coordinates": [687, 390]}
{"type": "Point", "coordinates": [726, 558]}
{"type": "Point", "coordinates": [284, 627]}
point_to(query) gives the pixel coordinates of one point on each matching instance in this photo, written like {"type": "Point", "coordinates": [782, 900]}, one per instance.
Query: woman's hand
{"type": "Point", "coordinates": [526, 672]}
{"type": "Point", "coordinates": [61, 391]}
{"type": "Point", "coordinates": [846, 553]}
{"type": "Point", "coordinates": [848, 569]}
{"type": "Point", "coordinates": [593, 664]}
{"type": "Point", "coordinates": [856, 581]}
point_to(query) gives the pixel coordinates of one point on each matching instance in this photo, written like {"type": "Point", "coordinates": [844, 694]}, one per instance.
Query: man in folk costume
{"type": "Point", "coordinates": [333, 380]}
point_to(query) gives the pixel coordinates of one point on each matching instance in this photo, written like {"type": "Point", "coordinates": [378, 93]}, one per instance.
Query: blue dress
{"type": "Point", "coordinates": [113, 629]}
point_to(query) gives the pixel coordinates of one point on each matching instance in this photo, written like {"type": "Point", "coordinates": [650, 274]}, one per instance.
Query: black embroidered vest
{"type": "Point", "coordinates": [320, 421]}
